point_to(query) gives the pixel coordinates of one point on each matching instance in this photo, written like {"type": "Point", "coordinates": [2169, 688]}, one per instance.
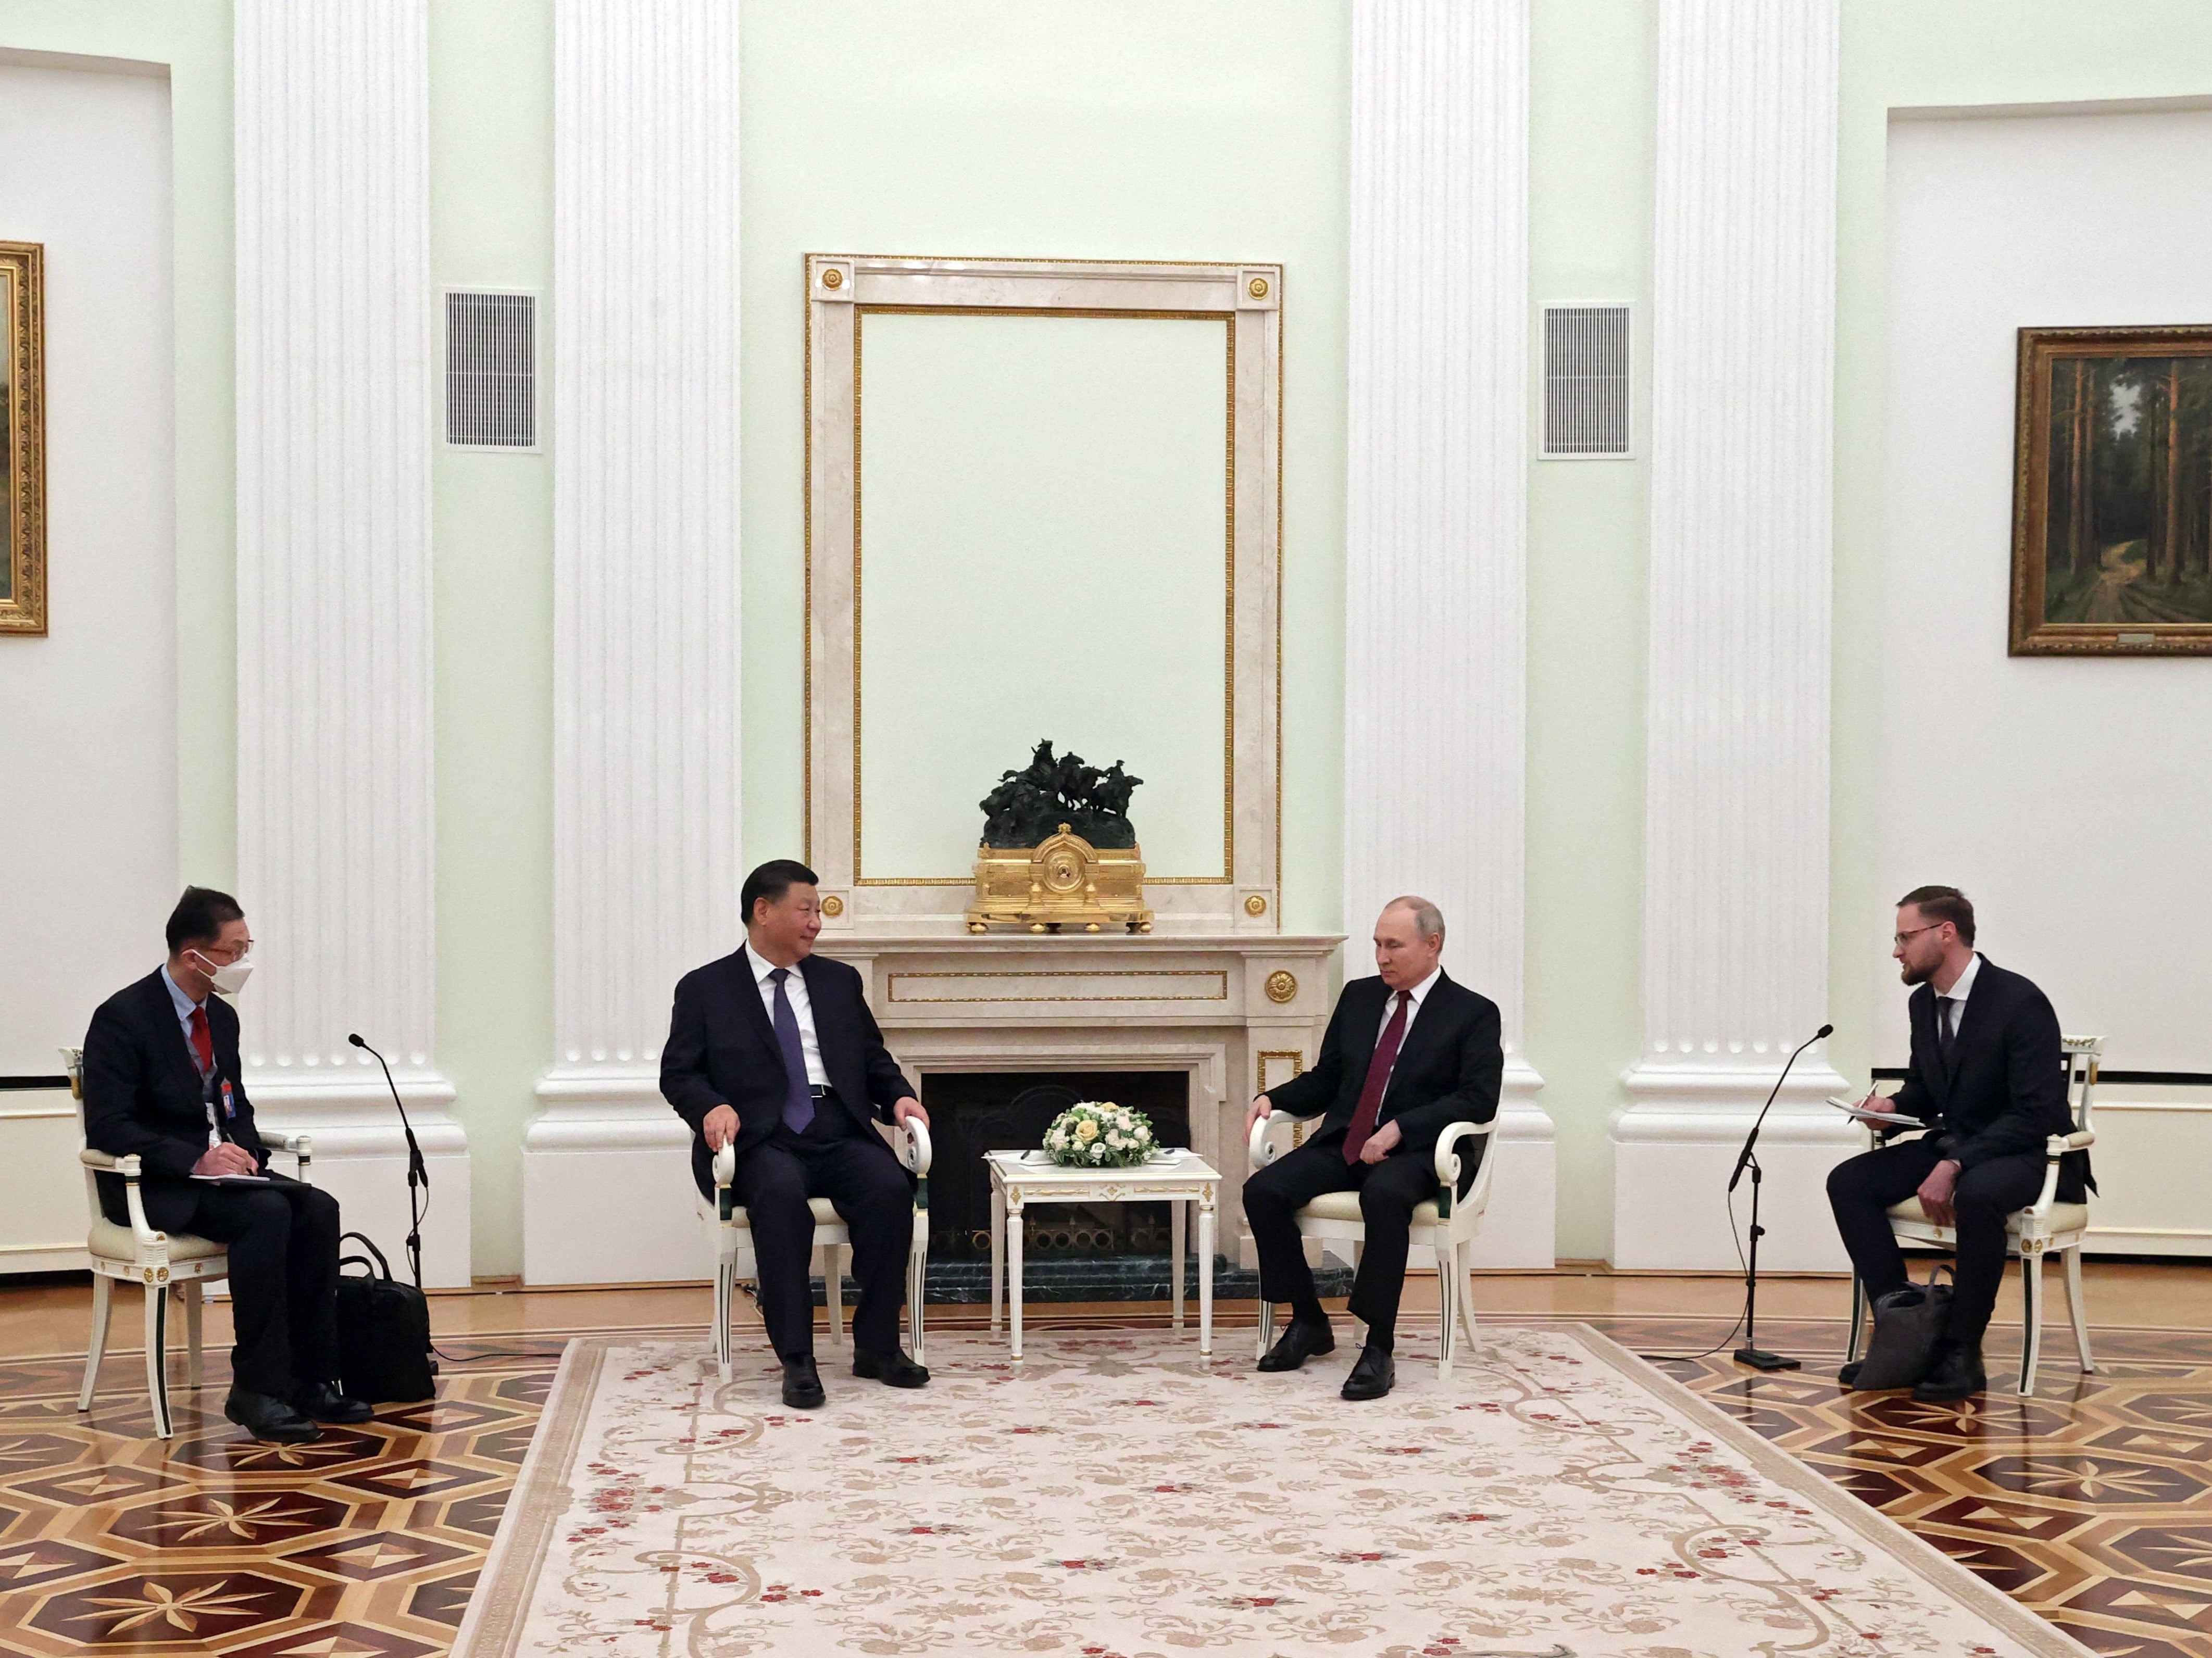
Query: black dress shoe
{"type": "Point", "coordinates": [1957, 1373]}
{"type": "Point", "coordinates": [1373, 1376]}
{"type": "Point", "coordinates": [269, 1419]}
{"type": "Point", "coordinates": [1299, 1343]}
{"type": "Point", "coordinates": [324, 1403]}
{"type": "Point", "coordinates": [894, 1369]}
{"type": "Point", "coordinates": [802, 1386]}
{"type": "Point", "coordinates": [1848, 1377]}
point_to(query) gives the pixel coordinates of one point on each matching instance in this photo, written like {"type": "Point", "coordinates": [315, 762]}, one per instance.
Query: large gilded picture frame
{"type": "Point", "coordinates": [1213, 433]}
{"type": "Point", "coordinates": [22, 440]}
{"type": "Point", "coordinates": [2112, 492]}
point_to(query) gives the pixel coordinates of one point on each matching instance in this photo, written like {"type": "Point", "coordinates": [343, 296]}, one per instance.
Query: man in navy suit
{"type": "Point", "coordinates": [772, 1051]}
{"type": "Point", "coordinates": [1406, 1053]}
{"type": "Point", "coordinates": [1987, 1076]}
{"type": "Point", "coordinates": [162, 1083]}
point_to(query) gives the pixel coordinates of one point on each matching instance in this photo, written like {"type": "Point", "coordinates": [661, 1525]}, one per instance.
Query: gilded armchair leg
{"type": "Point", "coordinates": [2030, 1335]}
{"type": "Point", "coordinates": [2076, 1310]}
{"type": "Point", "coordinates": [917, 1275]}
{"type": "Point", "coordinates": [190, 1291]}
{"type": "Point", "coordinates": [1465, 1283]}
{"type": "Point", "coordinates": [725, 1272]}
{"type": "Point", "coordinates": [1266, 1327]}
{"type": "Point", "coordinates": [1447, 1306]}
{"type": "Point", "coordinates": [103, 1308]}
{"type": "Point", "coordinates": [1856, 1343]}
{"type": "Point", "coordinates": [157, 1364]}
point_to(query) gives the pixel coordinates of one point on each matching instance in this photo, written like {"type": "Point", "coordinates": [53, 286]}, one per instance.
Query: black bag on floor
{"type": "Point", "coordinates": [384, 1332]}
{"type": "Point", "coordinates": [1906, 1323]}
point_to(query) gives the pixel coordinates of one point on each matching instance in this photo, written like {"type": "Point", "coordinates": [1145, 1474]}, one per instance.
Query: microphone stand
{"type": "Point", "coordinates": [1751, 1353]}
{"type": "Point", "coordinates": [418, 1173]}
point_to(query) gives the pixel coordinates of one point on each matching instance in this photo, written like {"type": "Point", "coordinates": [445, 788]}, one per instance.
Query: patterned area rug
{"type": "Point", "coordinates": [1115, 1495]}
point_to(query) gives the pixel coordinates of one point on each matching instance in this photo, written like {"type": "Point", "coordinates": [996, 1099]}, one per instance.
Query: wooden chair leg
{"type": "Point", "coordinates": [190, 1291]}
{"type": "Point", "coordinates": [103, 1308]}
{"type": "Point", "coordinates": [2031, 1296]}
{"type": "Point", "coordinates": [1464, 1277]}
{"type": "Point", "coordinates": [157, 1365]}
{"type": "Point", "coordinates": [2077, 1309]}
{"type": "Point", "coordinates": [917, 1277]}
{"type": "Point", "coordinates": [725, 1273]}
{"type": "Point", "coordinates": [1447, 1306]}
{"type": "Point", "coordinates": [1856, 1345]}
{"type": "Point", "coordinates": [1266, 1327]}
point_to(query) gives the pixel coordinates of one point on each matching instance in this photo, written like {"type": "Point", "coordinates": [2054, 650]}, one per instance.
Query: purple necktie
{"type": "Point", "coordinates": [798, 1096]}
{"type": "Point", "coordinates": [1378, 1077]}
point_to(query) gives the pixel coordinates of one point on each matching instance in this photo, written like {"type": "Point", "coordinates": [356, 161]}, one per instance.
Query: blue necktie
{"type": "Point", "coordinates": [797, 1096]}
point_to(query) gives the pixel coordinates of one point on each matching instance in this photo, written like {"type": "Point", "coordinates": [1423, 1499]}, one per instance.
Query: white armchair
{"type": "Point", "coordinates": [1445, 1223]}
{"type": "Point", "coordinates": [2044, 1227]}
{"type": "Point", "coordinates": [157, 1262]}
{"type": "Point", "coordinates": [734, 1234]}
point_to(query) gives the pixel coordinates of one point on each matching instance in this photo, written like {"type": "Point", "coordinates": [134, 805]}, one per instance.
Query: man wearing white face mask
{"type": "Point", "coordinates": [162, 1082]}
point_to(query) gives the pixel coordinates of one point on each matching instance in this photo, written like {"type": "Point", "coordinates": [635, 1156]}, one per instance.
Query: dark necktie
{"type": "Point", "coordinates": [1946, 1026]}
{"type": "Point", "coordinates": [202, 1042]}
{"type": "Point", "coordinates": [798, 1096]}
{"type": "Point", "coordinates": [1378, 1076]}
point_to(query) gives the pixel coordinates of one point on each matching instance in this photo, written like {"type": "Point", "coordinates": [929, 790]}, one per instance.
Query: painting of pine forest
{"type": "Point", "coordinates": [2113, 546]}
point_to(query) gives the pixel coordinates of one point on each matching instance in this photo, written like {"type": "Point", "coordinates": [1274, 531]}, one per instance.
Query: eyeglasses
{"type": "Point", "coordinates": [1899, 938]}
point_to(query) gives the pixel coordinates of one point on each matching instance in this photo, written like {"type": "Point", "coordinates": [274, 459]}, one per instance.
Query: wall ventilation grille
{"type": "Point", "coordinates": [491, 370]}
{"type": "Point", "coordinates": [1586, 382]}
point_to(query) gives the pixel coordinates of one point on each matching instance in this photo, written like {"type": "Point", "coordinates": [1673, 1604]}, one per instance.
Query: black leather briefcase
{"type": "Point", "coordinates": [384, 1332]}
{"type": "Point", "coordinates": [1906, 1323]}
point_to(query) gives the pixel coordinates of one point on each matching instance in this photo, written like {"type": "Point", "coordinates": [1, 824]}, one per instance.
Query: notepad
{"type": "Point", "coordinates": [230, 1179]}
{"type": "Point", "coordinates": [1878, 1119]}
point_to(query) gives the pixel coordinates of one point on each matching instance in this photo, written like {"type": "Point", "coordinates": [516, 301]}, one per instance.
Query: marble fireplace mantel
{"type": "Point", "coordinates": [607, 1191]}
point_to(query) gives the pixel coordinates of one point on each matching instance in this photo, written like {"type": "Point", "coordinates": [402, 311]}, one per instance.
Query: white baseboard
{"type": "Point", "coordinates": [1674, 1150]}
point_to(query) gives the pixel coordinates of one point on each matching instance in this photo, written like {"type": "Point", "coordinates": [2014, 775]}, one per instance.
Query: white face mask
{"type": "Point", "coordinates": [229, 978]}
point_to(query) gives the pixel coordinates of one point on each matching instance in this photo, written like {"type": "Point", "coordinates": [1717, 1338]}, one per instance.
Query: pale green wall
{"type": "Point", "coordinates": [191, 38]}
{"type": "Point", "coordinates": [1592, 89]}
{"type": "Point", "coordinates": [491, 225]}
{"type": "Point", "coordinates": [1906, 54]}
{"type": "Point", "coordinates": [1151, 129]}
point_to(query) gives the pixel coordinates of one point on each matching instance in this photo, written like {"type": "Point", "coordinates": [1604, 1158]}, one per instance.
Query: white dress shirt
{"type": "Point", "coordinates": [802, 1009]}
{"type": "Point", "coordinates": [1957, 994]}
{"type": "Point", "coordinates": [1415, 997]}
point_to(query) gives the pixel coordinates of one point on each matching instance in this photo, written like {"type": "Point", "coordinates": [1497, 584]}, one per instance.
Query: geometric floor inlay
{"type": "Point", "coordinates": [2090, 1502]}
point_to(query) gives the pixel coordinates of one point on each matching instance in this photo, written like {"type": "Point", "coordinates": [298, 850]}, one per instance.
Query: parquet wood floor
{"type": "Point", "coordinates": [2091, 1502]}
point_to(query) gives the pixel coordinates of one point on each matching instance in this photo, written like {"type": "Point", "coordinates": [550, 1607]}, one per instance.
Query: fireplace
{"type": "Point", "coordinates": [974, 1112]}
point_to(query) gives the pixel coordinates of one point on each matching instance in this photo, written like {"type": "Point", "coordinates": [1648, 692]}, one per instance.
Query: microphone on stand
{"type": "Point", "coordinates": [418, 1173]}
{"type": "Point", "coordinates": [1751, 1353]}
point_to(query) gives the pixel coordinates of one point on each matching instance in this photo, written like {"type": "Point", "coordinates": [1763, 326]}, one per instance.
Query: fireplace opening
{"type": "Point", "coordinates": [974, 1112]}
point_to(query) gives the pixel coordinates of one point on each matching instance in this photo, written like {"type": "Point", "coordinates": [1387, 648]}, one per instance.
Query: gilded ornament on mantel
{"type": "Point", "coordinates": [1064, 884]}
{"type": "Point", "coordinates": [1088, 881]}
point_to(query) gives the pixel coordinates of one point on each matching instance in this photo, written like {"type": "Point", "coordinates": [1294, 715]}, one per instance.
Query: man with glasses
{"type": "Point", "coordinates": [1987, 1081]}
{"type": "Point", "coordinates": [162, 1083]}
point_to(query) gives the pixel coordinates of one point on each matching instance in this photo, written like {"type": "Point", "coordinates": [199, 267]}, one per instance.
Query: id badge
{"type": "Point", "coordinates": [229, 1105]}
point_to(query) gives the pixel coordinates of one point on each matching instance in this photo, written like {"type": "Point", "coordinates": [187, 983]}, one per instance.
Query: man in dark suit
{"type": "Point", "coordinates": [1406, 1053]}
{"type": "Point", "coordinates": [162, 1083]}
{"type": "Point", "coordinates": [1987, 1076]}
{"type": "Point", "coordinates": [773, 1051]}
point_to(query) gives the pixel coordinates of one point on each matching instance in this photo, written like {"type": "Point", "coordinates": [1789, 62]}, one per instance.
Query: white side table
{"type": "Point", "coordinates": [1186, 1177]}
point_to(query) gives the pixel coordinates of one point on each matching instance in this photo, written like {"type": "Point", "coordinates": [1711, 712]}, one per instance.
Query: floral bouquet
{"type": "Point", "coordinates": [1099, 1134]}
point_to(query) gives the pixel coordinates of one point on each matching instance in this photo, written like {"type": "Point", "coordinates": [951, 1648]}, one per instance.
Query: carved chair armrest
{"type": "Point", "coordinates": [300, 1143]}
{"type": "Point", "coordinates": [1447, 1162]}
{"type": "Point", "coordinates": [913, 1146]}
{"type": "Point", "coordinates": [2054, 1149]}
{"type": "Point", "coordinates": [1259, 1148]}
{"type": "Point", "coordinates": [128, 1167]}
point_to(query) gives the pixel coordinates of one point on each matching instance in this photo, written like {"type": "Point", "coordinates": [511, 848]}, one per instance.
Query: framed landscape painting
{"type": "Point", "coordinates": [22, 441]}
{"type": "Point", "coordinates": [2113, 493]}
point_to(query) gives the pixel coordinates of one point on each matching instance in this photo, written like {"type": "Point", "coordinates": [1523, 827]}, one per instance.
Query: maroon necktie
{"type": "Point", "coordinates": [1378, 1075]}
{"type": "Point", "coordinates": [203, 1041]}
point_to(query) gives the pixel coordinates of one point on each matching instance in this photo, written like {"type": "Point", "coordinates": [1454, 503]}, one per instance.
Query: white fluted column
{"type": "Point", "coordinates": [646, 616]}
{"type": "Point", "coordinates": [1735, 937]}
{"type": "Point", "coordinates": [1436, 552]}
{"type": "Point", "coordinates": [335, 810]}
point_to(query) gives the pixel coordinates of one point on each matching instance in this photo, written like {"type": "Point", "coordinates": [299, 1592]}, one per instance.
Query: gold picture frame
{"type": "Point", "coordinates": [22, 438]}
{"type": "Point", "coordinates": [2111, 549]}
